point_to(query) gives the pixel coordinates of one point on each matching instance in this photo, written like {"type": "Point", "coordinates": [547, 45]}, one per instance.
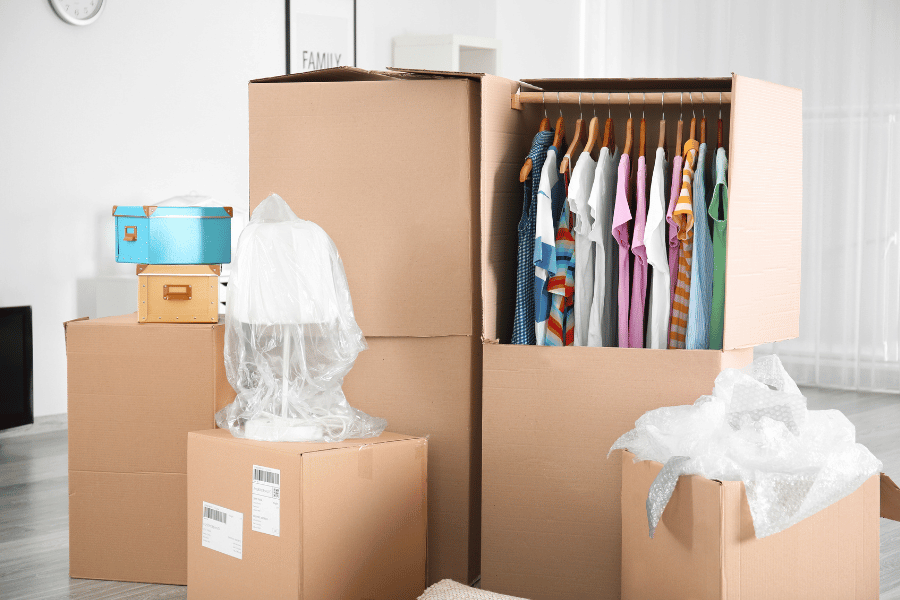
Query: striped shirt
{"type": "Point", "coordinates": [684, 217]}
{"type": "Point", "coordinates": [674, 244]}
{"type": "Point", "coordinates": [561, 325]}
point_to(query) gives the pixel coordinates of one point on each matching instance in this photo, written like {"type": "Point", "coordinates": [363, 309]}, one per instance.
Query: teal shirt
{"type": "Point", "coordinates": [718, 212]}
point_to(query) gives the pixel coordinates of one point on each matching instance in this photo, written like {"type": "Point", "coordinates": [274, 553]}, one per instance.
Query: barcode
{"type": "Point", "coordinates": [266, 476]}
{"type": "Point", "coordinates": [215, 515]}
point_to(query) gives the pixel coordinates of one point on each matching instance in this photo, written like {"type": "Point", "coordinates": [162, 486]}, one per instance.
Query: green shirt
{"type": "Point", "coordinates": [720, 221]}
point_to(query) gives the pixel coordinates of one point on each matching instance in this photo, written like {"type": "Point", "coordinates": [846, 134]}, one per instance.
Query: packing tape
{"type": "Point", "coordinates": [365, 460]}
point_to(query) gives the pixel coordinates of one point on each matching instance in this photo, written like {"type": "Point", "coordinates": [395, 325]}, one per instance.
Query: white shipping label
{"type": "Point", "coordinates": [223, 530]}
{"type": "Point", "coordinates": [266, 486]}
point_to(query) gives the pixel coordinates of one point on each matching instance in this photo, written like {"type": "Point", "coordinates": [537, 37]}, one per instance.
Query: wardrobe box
{"type": "Point", "coordinates": [414, 174]}
{"type": "Point", "coordinates": [299, 520]}
{"type": "Point", "coordinates": [135, 391]}
{"type": "Point", "coordinates": [705, 548]}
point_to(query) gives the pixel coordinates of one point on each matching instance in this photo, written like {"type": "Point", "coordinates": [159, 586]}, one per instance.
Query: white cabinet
{"type": "Point", "coordinates": [447, 53]}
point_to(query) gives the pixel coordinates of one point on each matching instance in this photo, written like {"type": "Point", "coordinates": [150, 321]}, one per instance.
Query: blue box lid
{"type": "Point", "coordinates": [200, 212]}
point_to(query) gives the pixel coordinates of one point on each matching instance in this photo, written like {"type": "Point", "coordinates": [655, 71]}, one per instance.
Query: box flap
{"type": "Point", "coordinates": [431, 74]}
{"type": "Point", "coordinates": [328, 75]}
{"type": "Point", "coordinates": [765, 197]}
{"type": "Point", "coordinates": [700, 84]}
{"type": "Point", "coordinates": [304, 447]}
{"type": "Point", "coordinates": [890, 499]}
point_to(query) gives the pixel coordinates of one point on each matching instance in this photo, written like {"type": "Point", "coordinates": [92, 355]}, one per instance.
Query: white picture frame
{"type": "Point", "coordinates": [319, 34]}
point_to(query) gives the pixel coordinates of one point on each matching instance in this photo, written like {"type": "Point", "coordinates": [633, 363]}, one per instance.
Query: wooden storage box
{"type": "Point", "coordinates": [178, 293]}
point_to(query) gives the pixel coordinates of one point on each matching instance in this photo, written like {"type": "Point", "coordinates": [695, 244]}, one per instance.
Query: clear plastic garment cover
{"type": "Point", "coordinates": [291, 335]}
{"type": "Point", "coordinates": [754, 428]}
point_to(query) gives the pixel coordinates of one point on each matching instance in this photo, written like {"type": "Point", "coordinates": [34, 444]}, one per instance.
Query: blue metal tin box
{"type": "Point", "coordinates": [173, 235]}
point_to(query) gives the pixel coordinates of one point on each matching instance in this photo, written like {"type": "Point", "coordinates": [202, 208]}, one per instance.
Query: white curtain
{"type": "Point", "coordinates": [845, 56]}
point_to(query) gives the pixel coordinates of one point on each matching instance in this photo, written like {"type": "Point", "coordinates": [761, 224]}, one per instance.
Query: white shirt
{"type": "Point", "coordinates": [657, 247]}
{"type": "Point", "coordinates": [579, 191]}
{"type": "Point", "coordinates": [603, 321]}
{"type": "Point", "coordinates": [545, 234]}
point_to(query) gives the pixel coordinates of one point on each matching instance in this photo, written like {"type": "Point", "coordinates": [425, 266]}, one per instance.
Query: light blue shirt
{"type": "Point", "coordinates": [701, 264]}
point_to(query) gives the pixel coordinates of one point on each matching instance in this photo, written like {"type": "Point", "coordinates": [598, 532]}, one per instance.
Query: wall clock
{"type": "Point", "coordinates": [78, 12]}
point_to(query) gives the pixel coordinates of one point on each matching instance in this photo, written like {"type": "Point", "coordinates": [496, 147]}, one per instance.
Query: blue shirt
{"type": "Point", "coordinates": [697, 337]}
{"type": "Point", "coordinates": [523, 324]}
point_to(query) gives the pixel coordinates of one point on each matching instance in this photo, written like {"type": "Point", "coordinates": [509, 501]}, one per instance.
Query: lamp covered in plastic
{"type": "Point", "coordinates": [291, 335]}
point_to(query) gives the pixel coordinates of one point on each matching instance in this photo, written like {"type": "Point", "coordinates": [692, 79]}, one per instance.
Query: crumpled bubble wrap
{"type": "Point", "coordinates": [754, 428]}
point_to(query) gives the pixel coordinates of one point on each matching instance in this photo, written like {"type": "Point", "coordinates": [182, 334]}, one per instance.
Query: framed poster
{"type": "Point", "coordinates": [319, 34]}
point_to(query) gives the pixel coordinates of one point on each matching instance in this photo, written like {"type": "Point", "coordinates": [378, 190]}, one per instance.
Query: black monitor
{"type": "Point", "coordinates": [16, 388]}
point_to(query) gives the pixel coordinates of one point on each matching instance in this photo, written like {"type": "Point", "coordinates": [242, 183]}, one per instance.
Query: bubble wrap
{"type": "Point", "coordinates": [754, 428]}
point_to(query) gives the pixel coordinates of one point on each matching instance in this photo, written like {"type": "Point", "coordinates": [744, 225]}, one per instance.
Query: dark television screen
{"type": "Point", "coordinates": [16, 392]}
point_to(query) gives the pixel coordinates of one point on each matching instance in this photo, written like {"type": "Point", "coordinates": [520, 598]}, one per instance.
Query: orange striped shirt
{"type": "Point", "coordinates": [684, 219]}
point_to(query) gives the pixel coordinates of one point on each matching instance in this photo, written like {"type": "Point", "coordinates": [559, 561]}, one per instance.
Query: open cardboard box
{"type": "Point", "coordinates": [414, 174]}
{"type": "Point", "coordinates": [705, 548]}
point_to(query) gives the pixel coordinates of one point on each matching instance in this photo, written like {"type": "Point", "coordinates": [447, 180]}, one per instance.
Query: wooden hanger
{"type": "Point", "coordinates": [693, 119]}
{"type": "Point", "coordinates": [678, 138]}
{"type": "Point", "coordinates": [593, 135]}
{"type": "Point", "coordinates": [580, 138]}
{"type": "Point", "coordinates": [609, 130]}
{"type": "Point", "coordinates": [643, 145]}
{"type": "Point", "coordinates": [629, 135]}
{"type": "Point", "coordinates": [719, 125]}
{"type": "Point", "coordinates": [702, 130]}
{"type": "Point", "coordinates": [560, 132]}
{"type": "Point", "coordinates": [662, 128]}
{"type": "Point", "coordinates": [526, 168]}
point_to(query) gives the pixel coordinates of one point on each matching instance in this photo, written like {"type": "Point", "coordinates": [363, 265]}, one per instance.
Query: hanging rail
{"type": "Point", "coordinates": [601, 98]}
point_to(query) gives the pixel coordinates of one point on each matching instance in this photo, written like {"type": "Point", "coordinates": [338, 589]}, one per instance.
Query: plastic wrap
{"type": "Point", "coordinates": [755, 428]}
{"type": "Point", "coordinates": [291, 335]}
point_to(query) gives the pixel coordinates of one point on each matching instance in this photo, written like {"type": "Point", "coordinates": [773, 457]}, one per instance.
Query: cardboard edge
{"type": "Point", "coordinates": [231, 439]}
{"type": "Point", "coordinates": [334, 74]}
{"type": "Point", "coordinates": [66, 327]}
{"type": "Point", "coordinates": [437, 74]}
{"type": "Point", "coordinates": [890, 499]}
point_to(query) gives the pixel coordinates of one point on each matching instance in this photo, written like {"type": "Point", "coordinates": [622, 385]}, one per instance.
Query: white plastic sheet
{"type": "Point", "coordinates": [291, 335]}
{"type": "Point", "coordinates": [755, 428]}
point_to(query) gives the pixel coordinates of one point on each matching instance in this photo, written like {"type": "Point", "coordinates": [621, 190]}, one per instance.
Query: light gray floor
{"type": "Point", "coordinates": [34, 559]}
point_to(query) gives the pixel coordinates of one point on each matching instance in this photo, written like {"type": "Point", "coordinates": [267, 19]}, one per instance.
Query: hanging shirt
{"type": "Point", "coordinates": [561, 324]}
{"type": "Point", "coordinates": [656, 241]}
{"type": "Point", "coordinates": [718, 210]}
{"type": "Point", "coordinates": [603, 324]}
{"type": "Point", "coordinates": [639, 250]}
{"type": "Point", "coordinates": [621, 217]}
{"type": "Point", "coordinates": [523, 323]}
{"type": "Point", "coordinates": [684, 217]}
{"type": "Point", "coordinates": [674, 244]}
{"type": "Point", "coordinates": [550, 199]}
{"type": "Point", "coordinates": [579, 194]}
{"type": "Point", "coordinates": [697, 337]}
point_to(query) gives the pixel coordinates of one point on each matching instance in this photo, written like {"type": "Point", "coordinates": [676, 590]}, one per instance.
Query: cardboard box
{"type": "Point", "coordinates": [434, 196]}
{"type": "Point", "coordinates": [135, 391]}
{"type": "Point", "coordinates": [551, 515]}
{"type": "Point", "coordinates": [705, 549]}
{"type": "Point", "coordinates": [306, 521]}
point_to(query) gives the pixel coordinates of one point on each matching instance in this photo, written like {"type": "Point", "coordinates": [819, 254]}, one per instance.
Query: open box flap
{"type": "Point", "coordinates": [704, 84]}
{"type": "Point", "coordinates": [434, 74]}
{"type": "Point", "coordinates": [328, 75]}
{"type": "Point", "coordinates": [890, 499]}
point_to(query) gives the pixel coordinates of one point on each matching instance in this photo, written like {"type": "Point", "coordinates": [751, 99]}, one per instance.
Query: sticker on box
{"type": "Point", "coordinates": [223, 530]}
{"type": "Point", "coordinates": [266, 496]}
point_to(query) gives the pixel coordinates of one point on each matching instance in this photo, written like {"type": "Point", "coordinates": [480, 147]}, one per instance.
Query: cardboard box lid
{"type": "Point", "coordinates": [300, 448]}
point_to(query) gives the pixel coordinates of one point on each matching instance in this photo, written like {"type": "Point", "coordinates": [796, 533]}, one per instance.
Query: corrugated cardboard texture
{"type": "Point", "coordinates": [430, 387]}
{"type": "Point", "coordinates": [390, 171]}
{"type": "Point", "coordinates": [128, 527]}
{"type": "Point", "coordinates": [705, 547]}
{"type": "Point", "coordinates": [765, 197]}
{"type": "Point", "coordinates": [551, 520]}
{"type": "Point", "coordinates": [346, 532]}
{"type": "Point", "coordinates": [135, 390]}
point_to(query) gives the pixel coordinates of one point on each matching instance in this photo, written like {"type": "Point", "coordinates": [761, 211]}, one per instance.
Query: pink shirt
{"type": "Point", "coordinates": [674, 244]}
{"type": "Point", "coordinates": [639, 278]}
{"type": "Point", "coordinates": [621, 217]}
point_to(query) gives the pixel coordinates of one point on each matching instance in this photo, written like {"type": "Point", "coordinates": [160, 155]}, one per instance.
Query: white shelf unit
{"type": "Point", "coordinates": [453, 52]}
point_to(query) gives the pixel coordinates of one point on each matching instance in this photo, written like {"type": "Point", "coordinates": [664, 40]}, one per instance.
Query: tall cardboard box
{"type": "Point", "coordinates": [551, 520]}
{"type": "Point", "coordinates": [341, 521]}
{"type": "Point", "coordinates": [389, 168]}
{"type": "Point", "coordinates": [135, 391]}
{"type": "Point", "coordinates": [705, 547]}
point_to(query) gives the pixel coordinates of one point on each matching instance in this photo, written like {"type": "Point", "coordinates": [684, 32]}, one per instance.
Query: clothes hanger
{"type": "Point", "coordinates": [609, 131]}
{"type": "Point", "coordinates": [629, 129]}
{"type": "Point", "coordinates": [693, 118]}
{"type": "Point", "coordinates": [593, 130]}
{"type": "Point", "coordinates": [642, 146]}
{"type": "Point", "coordinates": [560, 127]}
{"type": "Point", "coordinates": [719, 125]}
{"type": "Point", "coordinates": [545, 126]}
{"type": "Point", "coordinates": [678, 138]}
{"type": "Point", "coordinates": [662, 127]}
{"type": "Point", "coordinates": [703, 119]}
{"type": "Point", "coordinates": [579, 138]}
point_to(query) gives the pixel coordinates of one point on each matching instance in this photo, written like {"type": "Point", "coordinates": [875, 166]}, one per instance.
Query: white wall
{"type": "Point", "coordinates": [148, 102]}
{"type": "Point", "coordinates": [540, 38]}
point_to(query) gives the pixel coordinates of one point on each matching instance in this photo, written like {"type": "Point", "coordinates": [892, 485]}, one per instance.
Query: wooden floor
{"type": "Point", "coordinates": [34, 558]}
